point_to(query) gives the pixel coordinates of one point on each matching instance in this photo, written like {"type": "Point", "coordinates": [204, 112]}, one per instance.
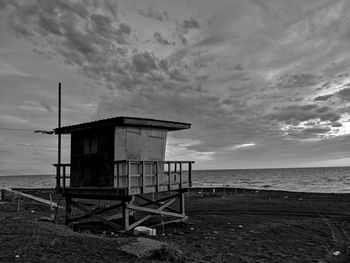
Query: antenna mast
{"type": "Point", "coordinates": [58, 173]}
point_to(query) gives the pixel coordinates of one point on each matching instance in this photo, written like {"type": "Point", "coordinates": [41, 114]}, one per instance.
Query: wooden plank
{"type": "Point", "coordinates": [97, 211]}
{"type": "Point", "coordinates": [138, 222]}
{"type": "Point", "coordinates": [156, 202]}
{"type": "Point", "coordinates": [86, 210]}
{"type": "Point", "coordinates": [35, 198]}
{"type": "Point", "coordinates": [154, 211]}
{"type": "Point", "coordinates": [167, 204]}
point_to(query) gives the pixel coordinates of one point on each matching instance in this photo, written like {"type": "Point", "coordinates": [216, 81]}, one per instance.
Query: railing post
{"type": "Point", "coordinates": [64, 177]}
{"type": "Point", "coordinates": [180, 175]}
{"type": "Point", "coordinates": [169, 175]}
{"type": "Point", "coordinates": [128, 176]}
{"type": "Point", "coordinates": [190, 174]}
{"type": "Point", "coordinates": [143, 176]}
{"type": "Point", "coordinates": [58, 178]}
{"type": "Point", "coordinates": [157, 176]}
{"type": "Point", "coordinates": [118, 176]}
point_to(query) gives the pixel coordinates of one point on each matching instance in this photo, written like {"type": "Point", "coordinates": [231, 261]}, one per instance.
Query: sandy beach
{"type": "Point", "coordinates": [224, 226]}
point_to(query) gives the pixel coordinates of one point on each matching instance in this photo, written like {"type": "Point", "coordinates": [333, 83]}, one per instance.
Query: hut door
{"type": "Point", "coordinates": [133, 143]}
{"type": "Point", "coordinates": [156, 147]}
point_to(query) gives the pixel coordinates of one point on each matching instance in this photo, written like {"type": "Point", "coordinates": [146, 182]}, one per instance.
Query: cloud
{"type": "Point", "coordinates": [297, 81]}
{"type": "Point", "coordinates": [8, 69]}
{"type": "Point", "coordinates": [313, 133]}
{"type": "Point", "coordinates": [47, 107]}
{"type": "Point", "coordinates": [152, 12]}
{"type": "Point", "coordinates": [144, 62]}
{"type": "Point", "coordinates": [190, 24]}
{"type": "Point", "coordinates": [295, 114]}
{"type": "Point", "coordinates": [344, 94]}
{"type": "Point", "coordinates": [160, 39]}
{"type": "Point", "coordinates": [323, 97]}
{"type": "Point", "coordinates": [244, 145]}
{"type": "Point", "coordinates": [237, 80]}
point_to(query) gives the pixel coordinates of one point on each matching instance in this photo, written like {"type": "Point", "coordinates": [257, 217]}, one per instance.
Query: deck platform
{"type": "Point", "coordinates": [134, 182]}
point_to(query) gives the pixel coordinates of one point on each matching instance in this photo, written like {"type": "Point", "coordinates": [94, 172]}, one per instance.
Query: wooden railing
{"type": "Point", "coordinates": [152, 176]}
{"type": "Point", "coordinates": [61, 176]}
{"type": "Point", "coordinates": [139, 177]}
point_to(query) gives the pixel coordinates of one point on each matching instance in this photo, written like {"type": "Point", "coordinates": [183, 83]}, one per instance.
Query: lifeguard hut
{"type": "Point", "coordinates": [122, 159]}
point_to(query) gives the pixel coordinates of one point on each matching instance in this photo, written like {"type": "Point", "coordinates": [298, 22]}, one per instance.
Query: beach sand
{"type": "Point", "coordinates": [225, 226]}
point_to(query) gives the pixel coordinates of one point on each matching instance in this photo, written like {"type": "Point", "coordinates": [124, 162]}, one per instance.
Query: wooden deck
{"type": "Point", "coordinates": [131, 179]}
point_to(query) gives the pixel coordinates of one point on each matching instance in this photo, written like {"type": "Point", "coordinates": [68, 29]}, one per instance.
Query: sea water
{"type": "Point", "coordinates": [321, 180]}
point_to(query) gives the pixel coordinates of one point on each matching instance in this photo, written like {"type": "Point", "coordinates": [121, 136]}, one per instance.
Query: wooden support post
{"type": "Point", "coordinates": [68, 209]}
{"type": "Point", "coordinates": [18, 203]}
{"type": "Point", "coordinates": [182, 202]}
{"type": "Point", "coordinates": [125, 212]}
{"type": "Point", "coordinates": [132, 201]}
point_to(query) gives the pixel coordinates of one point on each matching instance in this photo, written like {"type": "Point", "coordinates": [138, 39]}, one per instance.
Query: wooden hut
{"type": "Point", "coordinates": [120, 159]}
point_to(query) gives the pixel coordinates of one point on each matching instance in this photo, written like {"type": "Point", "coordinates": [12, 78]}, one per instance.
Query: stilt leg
{"type": "Point", "coordinates": [125, 212]}
{"type": "Point", "coordinates": [182, 202]}
{"type": "Point", "coordinates": [68, 209]}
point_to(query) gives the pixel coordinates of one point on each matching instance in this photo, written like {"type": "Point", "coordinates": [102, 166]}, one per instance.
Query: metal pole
{"type": "Point", "coordinates": [58, 174]}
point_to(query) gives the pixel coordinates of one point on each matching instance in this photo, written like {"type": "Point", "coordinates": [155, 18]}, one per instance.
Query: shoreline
{"type": "Point", "coordinates": [217, 189]}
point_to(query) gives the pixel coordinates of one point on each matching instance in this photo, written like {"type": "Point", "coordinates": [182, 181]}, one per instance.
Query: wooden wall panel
{"type": "Point", "coordinates": [120, 143]}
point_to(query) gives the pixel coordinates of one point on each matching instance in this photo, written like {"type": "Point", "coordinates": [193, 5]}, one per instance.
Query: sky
{"type": "Point", "coordinates": [264, 83]}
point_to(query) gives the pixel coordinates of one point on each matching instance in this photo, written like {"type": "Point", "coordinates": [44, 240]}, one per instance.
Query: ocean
{"type": "Point", "coordinates": [320, 180]}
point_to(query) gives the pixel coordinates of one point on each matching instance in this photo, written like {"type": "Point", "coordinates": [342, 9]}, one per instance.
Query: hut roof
{"type": "Point", "coordinates": [124, 121]}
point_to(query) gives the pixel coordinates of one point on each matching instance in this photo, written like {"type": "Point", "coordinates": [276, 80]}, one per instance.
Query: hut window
{"type": "Point", "coordinates": [90, 145]}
